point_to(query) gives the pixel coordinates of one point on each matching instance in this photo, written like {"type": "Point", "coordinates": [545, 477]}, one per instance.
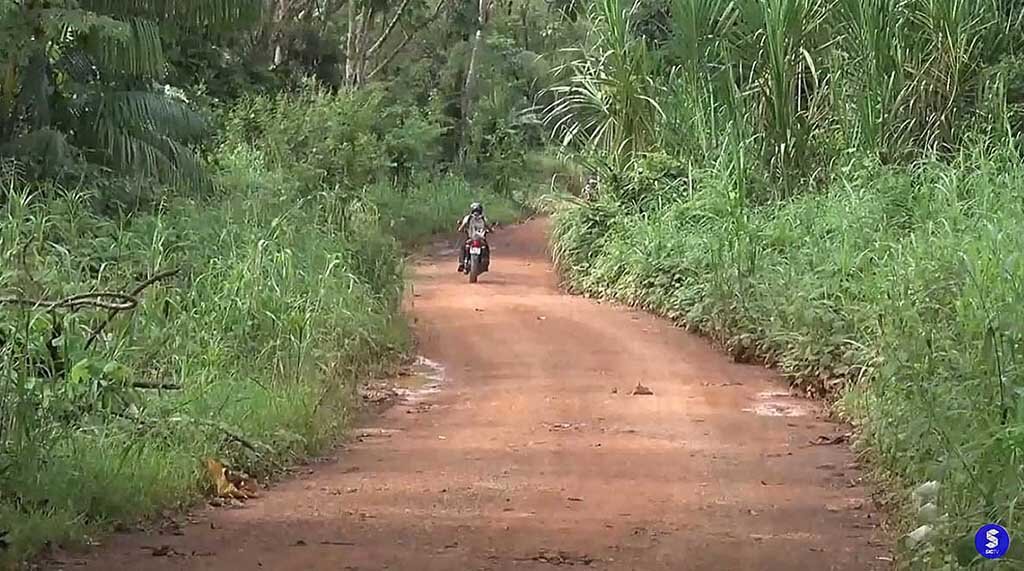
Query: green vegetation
{"type": "Point", "coordinates": [834, 187]}
{"type": "Point", "coordinates": [203, 208]}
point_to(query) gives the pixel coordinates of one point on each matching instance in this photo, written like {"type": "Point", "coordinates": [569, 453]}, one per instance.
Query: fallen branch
{"type": "Point", "coordinates": [97, 299]}
{"type": "Point", "coordinates": [135, 293]}
{"type": "Point", "coordinates": [156, 385]}
{"type": "Point", "coordinates": [110, 300]}
{"type": "Point", "coordinates": [266, 454]}
{"type": "Point", "coordinates": [253, 446]}
{"type": "Point", "coordinates": [824, 440]}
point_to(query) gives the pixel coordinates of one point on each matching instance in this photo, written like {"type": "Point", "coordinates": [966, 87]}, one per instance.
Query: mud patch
{"type": "Point", "coordinates": [411, 387]}
{"type": "Point", "coordinates": [560, 558]}
{"type": "Point", "coordinates": [421, 380]}
{"type": "Point", "coordinates": [777, 403]}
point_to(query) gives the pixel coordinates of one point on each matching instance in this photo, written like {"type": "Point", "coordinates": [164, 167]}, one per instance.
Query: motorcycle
{"type": "Point", "coordinates": [477, 252]}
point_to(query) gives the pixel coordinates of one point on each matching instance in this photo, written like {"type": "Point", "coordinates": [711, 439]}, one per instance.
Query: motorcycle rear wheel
{"type": "Point", "coordinates": [474, 268]}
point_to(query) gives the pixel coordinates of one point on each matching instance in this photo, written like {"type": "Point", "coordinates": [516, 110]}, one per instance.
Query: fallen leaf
{"type": "Point", "coordinates": [561, 558]}
{"type": "Point", "coordinates": [223, 488]}
{"type": "Point", "coordinates": [641, 390]}
{"type": "Point", "coordinates": [824, 440]}
{"type": "Point", "coordinates": [162, 551]}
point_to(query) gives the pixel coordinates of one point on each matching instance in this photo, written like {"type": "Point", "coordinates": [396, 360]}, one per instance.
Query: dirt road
{"type": "Point", "coordinates": [536, 455]}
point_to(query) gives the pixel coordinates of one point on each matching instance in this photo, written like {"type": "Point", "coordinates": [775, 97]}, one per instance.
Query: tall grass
{"type": "Point", "coordinates": [835, 188]}
{"type": "Point", "coordinates": [911, 70]}
{"type": "Point", "coordinates": [434, 206]}
{"type": "Point", "coordinates": [899, 287]}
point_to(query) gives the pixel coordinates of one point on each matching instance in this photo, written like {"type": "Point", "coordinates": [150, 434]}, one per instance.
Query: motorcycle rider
{"type": "Point", "coordinates": [473, 224]}
{"type": "Point", "coordinates": [589, 191]}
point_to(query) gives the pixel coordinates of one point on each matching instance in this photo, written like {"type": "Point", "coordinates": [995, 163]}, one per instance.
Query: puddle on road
{"type": "Point", "coordinates": [422, 379]}
{"type": "Point", "coordinates": [778, 403]}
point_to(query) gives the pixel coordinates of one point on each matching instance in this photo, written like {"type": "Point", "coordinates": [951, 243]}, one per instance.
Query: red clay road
{"type": "Point", "coordinates": [536, 455]}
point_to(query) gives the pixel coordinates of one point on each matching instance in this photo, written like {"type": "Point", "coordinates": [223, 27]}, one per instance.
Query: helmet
{"type": "Point", "coordinates": [476, 208]}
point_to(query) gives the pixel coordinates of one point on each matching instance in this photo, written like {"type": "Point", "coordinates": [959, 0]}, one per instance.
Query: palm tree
{"type": "Point", "coordinates": [605, 100]}
{"type": "Point", "coordinates": [81, 80]}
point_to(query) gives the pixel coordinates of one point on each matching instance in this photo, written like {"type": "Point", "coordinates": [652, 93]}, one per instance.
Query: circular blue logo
{"type": "Point", "coordinates": [992, 541]}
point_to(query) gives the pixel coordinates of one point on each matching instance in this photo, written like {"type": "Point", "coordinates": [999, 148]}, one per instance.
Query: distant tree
{"type": "Point", "coordinates": [82, 80]}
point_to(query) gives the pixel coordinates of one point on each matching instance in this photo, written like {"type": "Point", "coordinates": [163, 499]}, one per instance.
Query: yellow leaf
{"type": "Point", "coordinates": [223, 488]}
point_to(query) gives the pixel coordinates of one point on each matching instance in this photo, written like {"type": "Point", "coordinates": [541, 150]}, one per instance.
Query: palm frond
{"type": "Point", "coordinates": [65, 23]}
{"type": "Point", "coordinates": [152, 155]}
{"type": "Point", "coordinates": [138, 53]}
{"type": "Point", "coordinates": [605, 99]}
{"type": "Point", "coordinates": [150, 111]}
{"type": "Point", "coordinates": [78, 66]}
{"type": "Point", "coordinates": [129, 46]}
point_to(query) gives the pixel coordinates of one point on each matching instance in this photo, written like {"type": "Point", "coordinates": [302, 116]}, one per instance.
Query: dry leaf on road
{"type": "Point", "coordinates": [223, 488]}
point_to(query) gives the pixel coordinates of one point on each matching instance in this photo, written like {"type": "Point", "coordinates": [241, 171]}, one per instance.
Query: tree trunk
{"type": "Point", "coordinates": [364, 49]}
{"type": "Point", "coordinates": [524, 16]}
{"type": "Point", "coordinates": [471, 77]}
{"type": "Point", "coordinates": [278, 10]}
{"type": "Point", "coordinates": [350, 46]}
